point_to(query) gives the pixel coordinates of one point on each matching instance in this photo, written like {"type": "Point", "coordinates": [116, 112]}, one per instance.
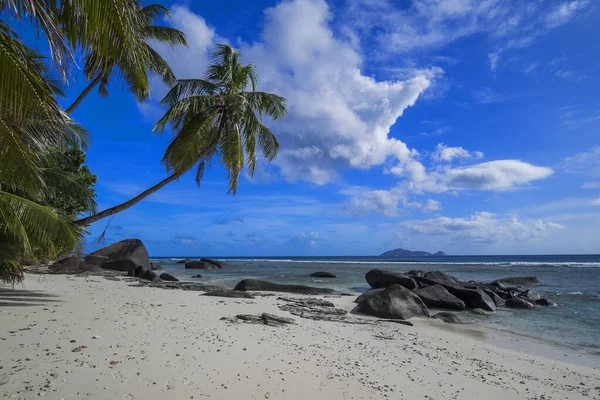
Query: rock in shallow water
{"type": "Point", "coordinates": [205, 263]}
{"type": "Point", "coordinates": [258, 285]}
{"type": "Point", "coordinates": [517, 302]}
{"type": "Point", "coordinates": [323, 274]}
{"type": "Point", "coordinates": [379, 278]}
{"type": "Point", "coordinates": [545, 302]}
{"type": "Point", "coordinates": [520, 280]}
{"type": "Point", "coordinates": [448, 317]}
{"type": "Point", "coordinates": [394, 302]}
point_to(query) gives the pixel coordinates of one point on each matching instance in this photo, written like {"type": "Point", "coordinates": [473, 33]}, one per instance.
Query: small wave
{"type": "Point", "coordinates": [439, 262]}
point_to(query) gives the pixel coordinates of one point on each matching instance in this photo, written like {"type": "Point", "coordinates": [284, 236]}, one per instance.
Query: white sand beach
{"type": "Point", "coordinates": [65, 337]}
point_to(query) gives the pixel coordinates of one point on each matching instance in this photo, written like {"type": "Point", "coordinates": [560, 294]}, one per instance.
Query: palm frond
{"type": "Point", "coordinates": [164, 34]}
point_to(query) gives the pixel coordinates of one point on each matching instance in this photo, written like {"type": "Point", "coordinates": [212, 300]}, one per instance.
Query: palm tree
{"type": "Point", "coordinates": [219, 116]}
{"type": "Point", "coordinates": [135, 58]}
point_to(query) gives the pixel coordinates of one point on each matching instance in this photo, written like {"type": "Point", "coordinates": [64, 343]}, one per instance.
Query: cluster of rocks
{"type": "Point", "coordinates": [131, 256]}
{"type": "Point", "coordinates": [406, 295]}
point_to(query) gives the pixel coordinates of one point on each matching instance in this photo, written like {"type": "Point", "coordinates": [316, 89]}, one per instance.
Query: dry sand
{"type": "Point", "coordinates": [64, 337]}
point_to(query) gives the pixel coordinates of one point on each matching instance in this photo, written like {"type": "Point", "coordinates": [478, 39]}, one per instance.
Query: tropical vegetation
{"type": "Point", "coordinates": [44, 184]}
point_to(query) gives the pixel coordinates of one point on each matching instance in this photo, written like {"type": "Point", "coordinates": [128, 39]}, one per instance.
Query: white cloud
{"type": "Point", "coordinates": [444, 153]}
{"type": "Point", "coordinates": [596, 202]}
{"type": "Point", "coordinates": [429, 24]}
{"type": "Point", "coordinates": [494, 175]}
{"type": "Point", "coordinates": [189, 62]}
{"type": "Point", "coordinates": [591, 185]}
{"type": "Point", "coordinates": [481, 227]}
{"type": "Point", "coordinates": [585, 163]}
{"type": "Point", "coordinates": [565, 12]}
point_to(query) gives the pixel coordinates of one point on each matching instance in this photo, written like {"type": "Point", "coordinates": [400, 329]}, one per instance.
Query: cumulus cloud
{"type": "Point", "coordinates": [338, 116]}
{"type": "Point", "coordinates": [585, 163]}
{"type": "Point", "coordinates": [310, 239]}
{"type": "Point", "coordinates": [482, 227]}
{"type": "Point", "coordinates": [445, 153]}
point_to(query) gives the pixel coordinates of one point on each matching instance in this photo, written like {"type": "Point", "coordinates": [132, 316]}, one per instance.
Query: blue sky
{"type": "Point", "coordinates": [461, 125]}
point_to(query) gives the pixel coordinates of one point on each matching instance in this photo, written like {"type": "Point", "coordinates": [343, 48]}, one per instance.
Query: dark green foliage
{"type": "Point", "coordinates": [69, 163]}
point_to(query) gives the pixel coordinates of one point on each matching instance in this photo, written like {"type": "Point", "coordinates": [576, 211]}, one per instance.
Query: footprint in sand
{"type": "Point", "coordinates": [170, 384]}
{"type": "Point", "coordinates": [127, 397]}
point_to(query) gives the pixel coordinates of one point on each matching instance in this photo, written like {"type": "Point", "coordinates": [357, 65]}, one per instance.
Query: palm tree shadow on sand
{"type": "Point", "coordinates": [21, 298]}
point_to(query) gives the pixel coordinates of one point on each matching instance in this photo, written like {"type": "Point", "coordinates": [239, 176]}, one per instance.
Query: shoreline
{"type": "Point", "coordinates": [177, 339]}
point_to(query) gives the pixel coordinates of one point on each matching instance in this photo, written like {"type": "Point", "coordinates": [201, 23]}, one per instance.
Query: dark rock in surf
{"type": "Point", "coordinates": [265, 286]}
{"type": "Point", "coordinates": [323, 275]}
{"type": "Point", "coordinates": [379, 278]}
{"type": "Point", "coordinates": [187, 260]}
{"type": "Point", "coordinates": [545, 302]}
{"type": "Point", "coordinates": [128, 249]}
{"type": "Point", "coordinates": [197, 276]}
{"type": "Point", "coordinates": [416, 272]}
{"type": "Point", "coordinates": [448, 317]}
{"type": "Point", "coordinates": [530, 295]}
{"type": "Point", "coordinates": [518, 302]}
{"type": "Point", "coordinates": [168, 277]}
{"type": "Point", "coordinates": [394, 302]}
{"type": "Point", "coordinates": [437, 296]}
{"type": "Point", "coordinates": [205, 263]}
{"type": "Point", "coordinates": [520, 280]}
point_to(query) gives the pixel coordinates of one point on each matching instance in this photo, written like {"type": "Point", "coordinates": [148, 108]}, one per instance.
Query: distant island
{"type": "Point", "coordinates": [408, 253]}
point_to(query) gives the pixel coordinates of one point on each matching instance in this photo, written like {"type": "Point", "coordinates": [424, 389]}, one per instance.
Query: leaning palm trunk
{"type": "Point", "coordinates": [124, 206]}
{"type": "Point", "coordinates": [215, 117]}
{"type": "Point", "coordinates": [83, 94]}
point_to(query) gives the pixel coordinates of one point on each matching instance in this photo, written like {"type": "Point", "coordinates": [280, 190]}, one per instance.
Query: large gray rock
{"type": "Point", "coordinates": [128, 249]}
{"type": "Point", "coordinates": [520, 280]}
{"type": "Point", "coordinates": [72, 265]}
{"type": "Point", "coordinates": [379, 278]}
{"type": "Point", "coordinates": [187, 260]}
{"type": "Point", "coordinates": [367, 294]}
{"type": "Point", "coordinates": [258, 285]}
{"type": "Point", "coordinates": [120, 265]}
{"type": "Point", "coordinates": [440, 277]}
{"type": "Point", "coordinates": [394, 302]}
{"type": "Point", "coordinates": [168, 277]}
{"type": "Point", "coordinates": [473, 298]}
{"type": "Point", "coordinates": [205, 263]}
{"type": "Point", "coordinates": [437, 296]}
{"type": "Point", "coordinates": [517, 302]}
